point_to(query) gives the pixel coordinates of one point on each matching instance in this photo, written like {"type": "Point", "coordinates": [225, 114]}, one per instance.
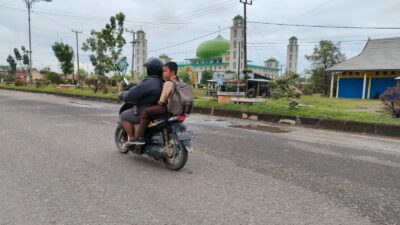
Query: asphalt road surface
{"type": "Point", "coordinates": [59, 165]}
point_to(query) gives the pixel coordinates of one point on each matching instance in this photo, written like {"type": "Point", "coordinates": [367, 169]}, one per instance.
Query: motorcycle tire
{"type": "Point", "coordinates": [120, 138]}
{"type": "Point", "coordinates": [180, 157]}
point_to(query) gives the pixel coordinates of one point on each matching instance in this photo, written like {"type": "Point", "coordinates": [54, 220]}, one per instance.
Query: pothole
{"type": "Point", "coordinates": [261, 128]}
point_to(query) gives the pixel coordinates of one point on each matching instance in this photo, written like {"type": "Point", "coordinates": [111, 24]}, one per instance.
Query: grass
{"type": "Point", "coordinates": [314, 106]}
{"type": "Point", "coordinates": [54, 89]}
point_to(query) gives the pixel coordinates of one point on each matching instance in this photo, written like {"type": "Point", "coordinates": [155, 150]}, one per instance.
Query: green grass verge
{"type": "Point", "coordinates": [54, 89]}
{"type": "Point", "coordinates": [316, 106]}
{"type": "Point", "coordinates": [323, 108]}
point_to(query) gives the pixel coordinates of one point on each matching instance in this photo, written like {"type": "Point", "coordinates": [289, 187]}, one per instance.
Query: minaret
{"type": "Point", "coordinates": [237, 39]}
{"type": "Point", "coordinates": [292, 55]}
{"type": "Point", "coordinates": [140, 52]}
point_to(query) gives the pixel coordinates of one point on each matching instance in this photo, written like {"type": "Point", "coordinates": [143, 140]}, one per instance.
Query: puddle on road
{"type": "Point", "coordinates": [269, 129]}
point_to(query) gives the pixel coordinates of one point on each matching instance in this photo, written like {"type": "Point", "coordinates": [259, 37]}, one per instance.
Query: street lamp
{"type": "Point", "coordinates": [29, 6]}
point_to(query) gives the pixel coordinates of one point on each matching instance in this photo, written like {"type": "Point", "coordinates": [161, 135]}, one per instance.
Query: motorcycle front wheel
{"type": "Point", "coordinates": [120, 138]}
{"type": "Point", "coordinates": [180, 156]}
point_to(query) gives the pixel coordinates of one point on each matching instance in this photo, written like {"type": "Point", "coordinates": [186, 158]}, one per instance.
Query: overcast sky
{"type": "Point", "coordinates": [169, 22]}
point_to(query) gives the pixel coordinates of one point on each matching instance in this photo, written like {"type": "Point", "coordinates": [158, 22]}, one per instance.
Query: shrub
{"type": "Point", "coordinates": [41, 83]}
{"type": "Point", "coordinates": [53, 77]}
{"type": "Point", "coordinates": [391, 101]}
{"type": "Point", "coordinates": [286, 87]}
{"type": "Point", "coordinates": [19, 82]}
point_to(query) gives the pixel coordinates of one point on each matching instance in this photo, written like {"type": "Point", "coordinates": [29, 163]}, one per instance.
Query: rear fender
{"type": "Point", "coordinates": [180, 130]}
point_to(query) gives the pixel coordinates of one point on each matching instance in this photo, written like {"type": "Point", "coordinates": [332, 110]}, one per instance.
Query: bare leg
{"type": "Point", "coordinates": [129, 129]}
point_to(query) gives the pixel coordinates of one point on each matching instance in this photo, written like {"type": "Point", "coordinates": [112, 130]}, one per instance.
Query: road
{"type": "Point", "coordinates": [59, 165]}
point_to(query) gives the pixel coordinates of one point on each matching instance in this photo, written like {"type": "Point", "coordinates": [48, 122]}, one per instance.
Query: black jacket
{"type": "Point", "coordinates": [146, 93]}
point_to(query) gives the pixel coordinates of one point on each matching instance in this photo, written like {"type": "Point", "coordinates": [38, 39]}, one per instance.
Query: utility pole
{"type": "Point", "coordinates": [77, 53]}
{"type": "Point", "coordinates": [29, 6]}
{"type": "Point", "coordinates": [238, 68]}
{"type": "Point", "coordinates": [245, 3]}
{"type": "Point", "coordinates": [282, 65]}
{"type": "Point", "coordinates": [133, 49]}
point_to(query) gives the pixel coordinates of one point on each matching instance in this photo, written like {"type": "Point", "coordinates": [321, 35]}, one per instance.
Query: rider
{"type": "Point", "coordinates": [170, 70]}
{"type": "Point", "coordinates": [143, 95]}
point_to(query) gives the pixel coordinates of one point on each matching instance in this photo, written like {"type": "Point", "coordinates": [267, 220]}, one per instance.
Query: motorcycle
{"type": "Point", "coordinates": [166, 139]}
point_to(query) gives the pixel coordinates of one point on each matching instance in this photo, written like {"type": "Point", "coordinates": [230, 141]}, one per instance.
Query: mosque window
{"type": "Point", "coordinates": [385, 73]}
{"type": "Point", "coordinates": [290, 57]}
{"type": "Point", "coordinates": [291, 48]}
{"type": "Point", "coordinates": [234, 54]}
{"type": "Point", "coordinates": [377, 73]}
{"type": "Point", "coordinates": [393, 73]}
{"type": "Point", "coordinates": [234, 44]}
{"type": "Point", "coordinates": [234, 64]}
{"type": "Point", "coordinates": [235, 33]}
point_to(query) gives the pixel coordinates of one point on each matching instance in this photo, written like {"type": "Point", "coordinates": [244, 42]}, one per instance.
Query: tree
{"type": "Point", "coordinates": [18, 55]}
{"type": "Point", "coordinates": [325, 55]}
{"type": "Point", "coordinates": [82, 75]}
{"type": "Point", "coordinates": [106, 47]}
{"type": "Point", "coordinates": [205, 76]}
{"type": "Point", "coordinates": [286, 87]}
{"type": "Point", "coordinates": [65, 55]}
{"type": "Point", "coordinates": [164, 57]}
{"type": "Point", "coordinates": [13, 65]}
{"type": "Point", "coordinates": [21, 59]}
{"type": "Point", "coordinates": [185, 77]}
{"type": "Point", "coordinates": [52, 77]}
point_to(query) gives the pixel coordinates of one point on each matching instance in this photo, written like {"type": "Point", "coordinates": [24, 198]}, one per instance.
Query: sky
{"type": "Point", "coordinates": [167, 23]}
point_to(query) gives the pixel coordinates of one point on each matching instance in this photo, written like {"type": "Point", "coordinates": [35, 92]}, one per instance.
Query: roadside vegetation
{"type": "Point", "coordinates": [314, 106]}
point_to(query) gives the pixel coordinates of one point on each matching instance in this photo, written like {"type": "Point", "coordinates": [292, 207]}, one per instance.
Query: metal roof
{"type": "Point", "coordinates": [378, 54]}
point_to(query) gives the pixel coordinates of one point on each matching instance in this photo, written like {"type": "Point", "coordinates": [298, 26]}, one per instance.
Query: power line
{"type": "Point", "coordinates": [194, 39]}
{"type": "Point", "coordinates": [326, 26]}
{"type": "Point", "coordinates": [198, 13]}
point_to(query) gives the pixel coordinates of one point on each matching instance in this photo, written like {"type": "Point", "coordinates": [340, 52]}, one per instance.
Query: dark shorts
{"type": "Point", "coordinates": [129, 116]}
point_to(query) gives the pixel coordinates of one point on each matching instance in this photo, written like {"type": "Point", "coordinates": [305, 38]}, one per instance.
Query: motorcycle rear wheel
{"type": "Point", "coordinates": [180, 157]}
{"type": "Point", "coordinates": [120, 138]}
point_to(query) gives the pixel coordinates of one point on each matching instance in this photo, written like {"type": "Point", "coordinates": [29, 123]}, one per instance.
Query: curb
{"type": "Point", "coordinates": [329, 124]}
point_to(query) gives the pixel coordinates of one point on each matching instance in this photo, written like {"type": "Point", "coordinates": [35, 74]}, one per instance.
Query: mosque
{"type": "Point", "coordinates": [224, 56]}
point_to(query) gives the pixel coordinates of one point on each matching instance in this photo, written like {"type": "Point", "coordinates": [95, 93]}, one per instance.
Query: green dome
{"type": "Point", "coordinates": [213, 48]}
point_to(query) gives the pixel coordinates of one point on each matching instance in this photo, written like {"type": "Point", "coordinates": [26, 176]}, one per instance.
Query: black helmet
{"type": "Point", "coordinates": [154, 66]}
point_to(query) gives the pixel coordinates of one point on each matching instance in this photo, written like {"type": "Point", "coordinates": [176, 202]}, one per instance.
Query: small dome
{"type": "Point", "coordinates": [213, 48]}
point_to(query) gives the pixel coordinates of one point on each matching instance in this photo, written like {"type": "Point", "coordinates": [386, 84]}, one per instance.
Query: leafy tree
{"type": "Point", "coordinates": [52, 77]}
{"type": "Point", "coordinates": [65, 55]}
{"type": "Point", "coordinates": [185, 77]}
{"type": "Point", "coordinates": [82, 75]}
{"type": "Point", "coordinates": [164, 57]}
{"type": "Point", "coordinates": [13, 65]}
{"type": "Point", "coordinates": [25, 59]}
{"type": "Point", "coordinates": [22, 59]}
{"type": "Point", "coordinates": [18, 55]}
{"type": "Point", "coordinates": [25, 56]}
{"type": "Point", "coordinates": [205, 76]}
{"type": "Point", "coordinates": [325, 55]}
{"type": "Point", "coordinates": [106, 46]}
{"type": "Point", "coordinates": [287, 87]}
